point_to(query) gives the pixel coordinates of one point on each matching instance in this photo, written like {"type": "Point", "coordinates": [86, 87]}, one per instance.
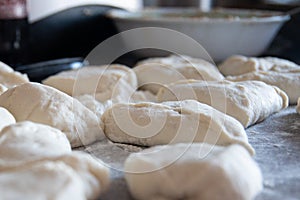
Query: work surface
{"type": "Point", "coordinates": [277, 144]}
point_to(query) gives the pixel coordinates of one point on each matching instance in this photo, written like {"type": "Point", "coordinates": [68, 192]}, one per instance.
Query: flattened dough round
{"type": "Point", "coordinates": [189, 121]}
{"type": "Point", "coordinates": [152, 73]}
{"type": "Point", "coordinates": [6, 118]}
{"type": "Point", "coordinates": [193, 171]}
{"type": "Point", "coordinates": [25, 141]}
{"type": "Point", "coordinates": [247, 101]}
{"type": "Point", "coordinates": [46, 105]}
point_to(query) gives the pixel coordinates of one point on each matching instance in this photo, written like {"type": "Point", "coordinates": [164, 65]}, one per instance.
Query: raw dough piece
{"type": "Point", "coordinates": [6, 118]}
{"type": "Point", "coordinates": [46, 105]}
{"type": "Point", "coordinates": [92, 172]}
{"type": "Point", "coordinates": [238, 65]}
{"type": "Point", "coordinates": [193, 171]}
{"type": "Point", "coordinates": [282, 65]}
{"type": "Point", "coordinates": [288, 82]}
{"type": "Point", "coordinates": [2, 89]}
{"type": "Point", "coordinates": [5, 68]}
{"type": "Point", "coordinates": [25, 141]}
{"type": "Point", "coordinates": [10, 78]}
{"type": "Point", "coordinates": [150, 124]}
{"type": "Point", "coordinates": [154, 72]}
{"type": "Point", "coordinates": [142, 96]}
{"type": "Point", "coordinates": [249, 101]}
{"type": "Point", "coordinates": [92, 104]}
{"type": "Point", "coordinates": [298, 106]}
{"type": "Point", "coordinates": [47, 180]}
{"type": "Point", "coordinates": [115, 82]}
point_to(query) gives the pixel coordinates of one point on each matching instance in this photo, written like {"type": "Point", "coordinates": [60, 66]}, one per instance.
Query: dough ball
{"type": "Point", "coordinates": [247, 101]}
{"type": "Point", "coordinates": [25, 141]}
{"type": "Point", "coordinates": [46, 180]}
{"type": "Point", "coordinates": [193, 171]}
{"type": "Point", "coordinates": [115, 82]}
{"type": "Point", "coordinates": [46, 105]}
{"type": "Point", "coordinates": [92, 173]}
{"type": "Point", "coordinates": [298, 106]}
{"type": "Point", "coordinates": [288, 82]}
{"type": "Point", "coordinates": [10, 78]}
{"type": "Point", "coordinates": [152, 73]}
{"type": "Point", "coordinates": [238, 65]}
{"type": "Point", "coordinates": [2, 89]}
{"type": "Point", "coordinates": [6, 118]}
{"type": "Point", "coordinates": [189, 121]}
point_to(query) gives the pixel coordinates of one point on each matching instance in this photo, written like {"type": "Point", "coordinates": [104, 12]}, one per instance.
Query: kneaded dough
{"type": "Point", "coordinates": [154, 72]}
{"type": "Point", "coordinates": [288, 82]}
{"type": "Point", "coordinates": [25, 141]}
{"type": "Point", "coordinates": [6, 118]}
{"type": "Point", "coordinates": [2, 89]}
{"type": "Point", "coordinates": [298, 106]}
{"type": "Point", "coordinates": [189, 121]}
{"type": "Point", "coordinates": [248, 101]}
{"type": "Point", "coordinates": [193, 171]}
{"type": "Point", "coordinates": [46, 180]}
{"type": "Point", "coordinates": [46, 105]}
{"type": "Point", "coordinates": [142, 96]}
{"type": "Point", "coordinates": [115, 82]}
{"type": "Point", "coordinates": [238, 65]}
{"type": "Point", "coordinates": [93, 104]}
{"type": "Point", "coordinates": [93, 173]}
{"type": "Point", "coordinates": [10, 78]}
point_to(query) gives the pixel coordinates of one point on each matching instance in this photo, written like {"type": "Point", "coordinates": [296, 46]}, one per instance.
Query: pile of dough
{"type": "Point", "coordinates": [248, 101]}
{"type": "Point", "coordinates": [298, 106]}
{"type": "Point", "coordinates": [94, 176]}
{"type": "Point", "coordinates": [2, 89]}
{"type": "Point", "coordinates": [46, 105]}
{"type": "Point", "coordinates": [238, 65]}
{"type": "Point", "coordinates": [189, 121]}
{"type": "Point", "coordinates": [288, 82]}
{"type": "Point", "coordinates": [25, 141]}
{"type": "Point", "coordinates": [193, 171]}
{"type": "Point", "coordinates": [6, 118]}
{"type": "Point", "coordinates": [10, 78]}
{"type": "Point", "coordinates": [115, 82]}
{"type": "Point", "coordinates": [154, 72]}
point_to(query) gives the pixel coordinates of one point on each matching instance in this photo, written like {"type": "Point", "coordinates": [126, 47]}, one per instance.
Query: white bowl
{"type": "Point", "coordinates": [222, 32]}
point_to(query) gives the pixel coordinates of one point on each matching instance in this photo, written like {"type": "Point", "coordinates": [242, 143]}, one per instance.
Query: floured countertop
{"type": "Point", "coordinates": [277, 144]}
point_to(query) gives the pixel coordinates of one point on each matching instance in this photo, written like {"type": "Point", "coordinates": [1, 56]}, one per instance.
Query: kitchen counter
{"type": "Point", "coordinates": [277, 144]}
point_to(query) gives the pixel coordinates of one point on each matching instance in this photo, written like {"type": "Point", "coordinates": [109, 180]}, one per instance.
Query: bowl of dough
{"type": "Point", "coordinates": [221, 32]}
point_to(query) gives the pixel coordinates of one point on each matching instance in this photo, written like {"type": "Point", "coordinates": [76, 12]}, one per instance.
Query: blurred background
{"type": "Point", "coordinates": [34, 31]}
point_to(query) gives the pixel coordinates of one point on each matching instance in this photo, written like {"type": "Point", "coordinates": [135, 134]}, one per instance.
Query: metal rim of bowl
{"type": "Point", "coordinates": [122, 15]}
